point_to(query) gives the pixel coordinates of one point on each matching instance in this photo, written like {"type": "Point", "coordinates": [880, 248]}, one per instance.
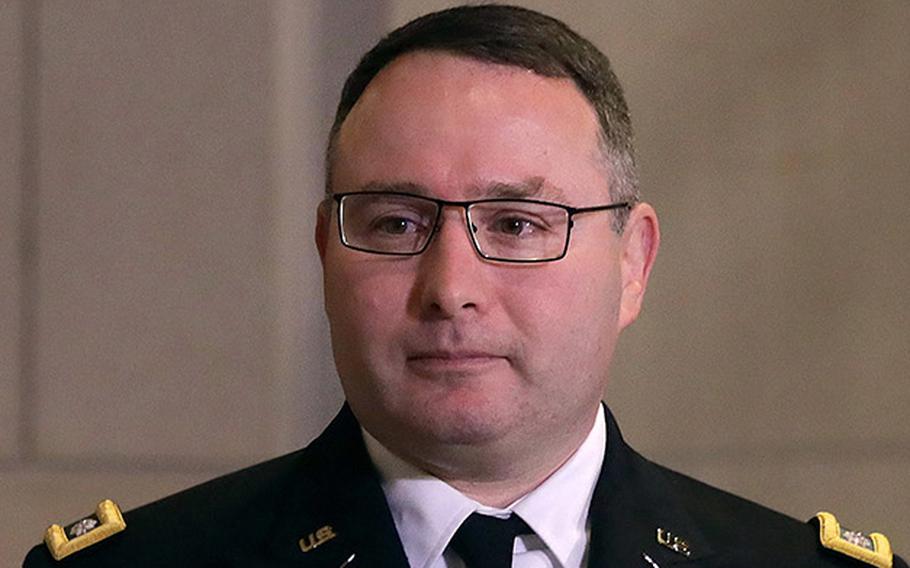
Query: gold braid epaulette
{"type": "Point", "coordinates": [106, 521]}
{"type": "Point", "coordinates": [872, 549]}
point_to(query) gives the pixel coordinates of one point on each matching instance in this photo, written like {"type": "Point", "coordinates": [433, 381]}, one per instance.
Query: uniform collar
{"type": "Point", "coordinates": [428, 511]}
{"type": "Point", "coordinates": [634, 499]}
{"type": "Point", "coordinates": [337, 487]}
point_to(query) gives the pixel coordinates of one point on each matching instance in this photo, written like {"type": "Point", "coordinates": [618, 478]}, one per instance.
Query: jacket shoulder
{"type": "Point", "coordinates": [758, 532]}
{"type": "Point", "coordinates": [202, 522]}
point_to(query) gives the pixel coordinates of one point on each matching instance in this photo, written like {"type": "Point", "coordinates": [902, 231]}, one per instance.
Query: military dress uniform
{"type": "Point", "coordinates": [324, 507]}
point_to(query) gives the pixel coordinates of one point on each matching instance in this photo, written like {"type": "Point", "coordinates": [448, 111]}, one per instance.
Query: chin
{"type": "Point", "coordinates": [459, 423]}
{"type": "Point", "coordinates": [461, 416]}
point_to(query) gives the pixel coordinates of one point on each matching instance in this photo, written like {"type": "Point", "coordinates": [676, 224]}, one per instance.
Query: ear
{"type": "Point", "coordinates": [323, 223]}
{"type": "Point", "coordinates": [640, 241]}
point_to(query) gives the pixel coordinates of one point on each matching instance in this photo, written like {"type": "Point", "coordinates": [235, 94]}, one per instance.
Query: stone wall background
{"type": "Point", "coordinates": [160, 303]}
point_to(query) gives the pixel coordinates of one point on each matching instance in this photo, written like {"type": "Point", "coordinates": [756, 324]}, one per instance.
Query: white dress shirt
{"type": "Point", "coordinates": [427, 511]}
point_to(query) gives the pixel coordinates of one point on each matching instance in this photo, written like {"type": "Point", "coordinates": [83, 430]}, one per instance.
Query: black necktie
{"type": "Point", "coordinates": [483, 541]}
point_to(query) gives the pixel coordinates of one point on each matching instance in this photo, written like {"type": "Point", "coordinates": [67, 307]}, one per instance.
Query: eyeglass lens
{"type": "Point", "coordinates": [403, 224]}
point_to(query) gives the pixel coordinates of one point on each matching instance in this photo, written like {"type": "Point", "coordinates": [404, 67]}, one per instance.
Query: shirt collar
{"type": "Point", "coordinates": [427, 511]}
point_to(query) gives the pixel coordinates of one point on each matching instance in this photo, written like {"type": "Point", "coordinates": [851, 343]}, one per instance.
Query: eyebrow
{"type": "Point", "coordinates": [396, 187]}
{"type": "Point", "coordinates": [535, 187]}
{"type": "Point", "coordinates": [531, 188]}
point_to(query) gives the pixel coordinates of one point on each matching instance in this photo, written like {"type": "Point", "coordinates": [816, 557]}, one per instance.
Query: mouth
{"type": "Point", "coordinates": [436, 362]}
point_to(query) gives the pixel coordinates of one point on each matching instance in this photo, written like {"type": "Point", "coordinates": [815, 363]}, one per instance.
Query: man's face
{"type": "Point", "coordinates": [445, 354]}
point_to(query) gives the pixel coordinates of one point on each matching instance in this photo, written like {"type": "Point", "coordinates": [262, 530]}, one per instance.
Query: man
{"type": "Point", "coordinates": [483, 245]}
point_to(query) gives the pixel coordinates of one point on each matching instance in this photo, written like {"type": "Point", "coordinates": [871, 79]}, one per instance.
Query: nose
{"type": "Point", "coordinates": [451, 279]}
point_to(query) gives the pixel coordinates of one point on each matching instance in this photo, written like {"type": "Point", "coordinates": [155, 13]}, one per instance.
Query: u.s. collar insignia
{"type": "Point", "coordinates": [673, 542]}
{"type": "Point", "coordinates": [85, 532]}
{"type": "Point", "coordinates": [872, 549]}
{"type": "Point", "coordinates": [312, 540]}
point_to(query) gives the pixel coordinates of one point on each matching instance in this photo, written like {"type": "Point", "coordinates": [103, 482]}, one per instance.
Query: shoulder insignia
{"type": "Point", "coordinates": [85, 532]}
{"type": "Point", "coordinates": [872, 549]}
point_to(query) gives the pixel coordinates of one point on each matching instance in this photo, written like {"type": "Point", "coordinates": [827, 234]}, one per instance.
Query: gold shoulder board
{"type": "Point", "coordinates": [104, 522]}
{"type": "Point", "coordinates": [872, 549]}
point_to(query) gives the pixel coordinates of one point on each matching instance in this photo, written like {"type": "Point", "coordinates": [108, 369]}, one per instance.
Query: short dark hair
{"type": "Point", "coordinates": [511, 35]}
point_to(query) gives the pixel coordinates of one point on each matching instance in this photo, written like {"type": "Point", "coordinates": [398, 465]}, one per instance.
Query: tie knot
{"type": "Point", "coordinates": [483, 541]}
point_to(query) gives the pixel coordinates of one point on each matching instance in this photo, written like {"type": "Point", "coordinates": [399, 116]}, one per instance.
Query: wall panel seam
{"type": "Point", "coordinates": [29, 229]}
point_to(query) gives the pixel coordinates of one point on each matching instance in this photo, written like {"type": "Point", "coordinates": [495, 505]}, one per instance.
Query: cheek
{"type": "Point", "coordinates": [362, 303]}
{"type": "Point", "coordinates": [569, 318]}
{"type": "Point", "coordinates": [361, 318]}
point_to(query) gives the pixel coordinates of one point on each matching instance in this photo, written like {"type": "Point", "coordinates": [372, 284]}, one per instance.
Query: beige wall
{"type": "Point", "coordinates": [11, 178]}
{"type": "Point", "coordinates": [161, 318]}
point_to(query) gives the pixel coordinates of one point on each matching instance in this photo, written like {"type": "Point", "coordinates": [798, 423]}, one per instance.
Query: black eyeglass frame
{"type": "Point", "coordinates": [466, 205]}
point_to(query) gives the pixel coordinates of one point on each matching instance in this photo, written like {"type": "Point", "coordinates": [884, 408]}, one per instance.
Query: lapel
{"type": "Point", "coordinates": [631, 501]}
{"type": "Point", "coordinates": [335, 509]}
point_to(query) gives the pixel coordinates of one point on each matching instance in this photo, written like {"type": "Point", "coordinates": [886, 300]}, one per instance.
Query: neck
{"type": "Point", "coordinates": [500, 493]}
{"type": "Point", "coordinates": [498, 475]}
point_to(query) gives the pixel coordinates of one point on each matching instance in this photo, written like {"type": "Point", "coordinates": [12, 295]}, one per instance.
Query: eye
{"type": "Point", "coordinates": [518, 224]}
{"type": "Point", "coordinates": [394, 225]}
{"type": "Point", "coordinates": [515, 226]}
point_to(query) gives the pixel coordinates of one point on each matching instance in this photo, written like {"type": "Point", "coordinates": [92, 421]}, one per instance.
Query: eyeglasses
{"type": "Point", "coordinates": [501, 229]}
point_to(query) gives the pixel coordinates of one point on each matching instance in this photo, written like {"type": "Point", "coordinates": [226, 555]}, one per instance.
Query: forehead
{"type": "Point", "coordinates": [451, 124]}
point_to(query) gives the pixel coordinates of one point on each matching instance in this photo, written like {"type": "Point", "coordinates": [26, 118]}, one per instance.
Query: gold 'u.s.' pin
{"type": "Point", "coordinates": [315, 539]}
{"type": "Point", "coordinates": [673, 542]}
